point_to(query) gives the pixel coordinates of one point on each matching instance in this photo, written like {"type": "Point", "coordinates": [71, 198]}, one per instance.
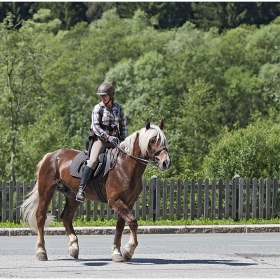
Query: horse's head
{"type": "Point", "coordinates": [153, 143]}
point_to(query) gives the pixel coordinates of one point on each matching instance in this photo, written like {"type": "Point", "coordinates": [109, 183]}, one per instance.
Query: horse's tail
{"type": "Point", "coordinates": [30, 205]}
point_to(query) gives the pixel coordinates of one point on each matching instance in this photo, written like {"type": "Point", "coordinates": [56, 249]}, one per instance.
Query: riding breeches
{"type": "Point", "coordinates": [98, 147]}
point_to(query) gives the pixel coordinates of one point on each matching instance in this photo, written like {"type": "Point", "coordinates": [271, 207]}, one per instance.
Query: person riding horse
{"type": "Point", "coordinates": [109, 127]}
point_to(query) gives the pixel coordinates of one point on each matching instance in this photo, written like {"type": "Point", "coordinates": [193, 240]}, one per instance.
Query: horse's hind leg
{"type": "Point", "coordinates": [125, 212]}
{"type": "Point", "coordinates": [41, 216]}
{"type": "Point", "coordinates": [67, 216]}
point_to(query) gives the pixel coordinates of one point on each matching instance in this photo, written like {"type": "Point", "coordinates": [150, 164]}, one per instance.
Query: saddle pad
{"type": "Point", "coordinates": [78, 164]}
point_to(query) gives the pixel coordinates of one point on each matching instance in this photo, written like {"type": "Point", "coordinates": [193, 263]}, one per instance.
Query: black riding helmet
{"type": "Point", "coordinates": [106, 88]}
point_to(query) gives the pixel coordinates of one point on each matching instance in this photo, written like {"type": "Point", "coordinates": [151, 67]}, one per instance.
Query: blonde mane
{"type": "Point", "coordinates": [144, 137]}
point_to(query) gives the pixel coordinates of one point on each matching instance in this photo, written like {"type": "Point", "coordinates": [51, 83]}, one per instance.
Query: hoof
{"type": "Point", "coordinates": [41, 255]}
{"type": "Point", "coordinates": [74, 252]}
{"type": "Point", "coordinates": [117, 258]}
{"type": "Point", "coordinates": [126, 255]}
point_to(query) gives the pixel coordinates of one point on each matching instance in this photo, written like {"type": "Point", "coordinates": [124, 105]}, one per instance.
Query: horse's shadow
{"type": "Point", "coordinates": [143, 261]}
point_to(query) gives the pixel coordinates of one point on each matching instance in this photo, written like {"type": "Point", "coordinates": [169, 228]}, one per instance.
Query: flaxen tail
{"type": "Point", "coordinates": [30, 205]}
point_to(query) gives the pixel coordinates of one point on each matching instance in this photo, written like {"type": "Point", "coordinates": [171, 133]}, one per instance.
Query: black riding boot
{"type": "Point", "coordinates": [84, 180]}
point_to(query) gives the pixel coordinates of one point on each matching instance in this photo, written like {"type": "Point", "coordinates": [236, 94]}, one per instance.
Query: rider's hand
{"type": "Point", "coordinates": [114, 140]}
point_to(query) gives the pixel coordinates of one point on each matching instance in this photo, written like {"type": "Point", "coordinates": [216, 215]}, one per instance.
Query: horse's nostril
{"type": "Point", "coordinates": [167, 163]}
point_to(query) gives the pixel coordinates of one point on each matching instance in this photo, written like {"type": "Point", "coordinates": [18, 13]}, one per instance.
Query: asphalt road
{"type": "Point", "coordinates": [234, 255]}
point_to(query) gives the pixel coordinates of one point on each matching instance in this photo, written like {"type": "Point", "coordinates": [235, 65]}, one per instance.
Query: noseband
{"type": "Point", "coordinates": [154, 154]}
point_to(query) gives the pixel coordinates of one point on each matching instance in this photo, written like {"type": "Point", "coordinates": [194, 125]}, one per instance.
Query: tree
{"type": "Point", "coordinates": [21, 55]}
{"type": "Point", "coordinates": [197, 126]}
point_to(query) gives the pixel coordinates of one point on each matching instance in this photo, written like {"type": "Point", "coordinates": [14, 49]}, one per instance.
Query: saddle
{"type": "Point", "coordinates": [106, 162]}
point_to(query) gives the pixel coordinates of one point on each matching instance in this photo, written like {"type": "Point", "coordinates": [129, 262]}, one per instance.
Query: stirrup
{"type": "Point", "coordinates": [80, 196]}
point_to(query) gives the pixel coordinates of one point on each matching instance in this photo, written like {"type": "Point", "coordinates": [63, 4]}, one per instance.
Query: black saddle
{"type": "Point", "coordinates": [80, 160]}
{"type": "Point", "coordinates": [104, 165]}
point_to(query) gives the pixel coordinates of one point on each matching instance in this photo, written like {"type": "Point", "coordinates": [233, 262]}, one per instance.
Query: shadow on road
{"type": "Point", "coordinates": [142, 261]}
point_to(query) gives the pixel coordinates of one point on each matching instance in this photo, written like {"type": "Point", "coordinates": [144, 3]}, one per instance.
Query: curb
{"type": "Point", "coordinates": [148, 230]}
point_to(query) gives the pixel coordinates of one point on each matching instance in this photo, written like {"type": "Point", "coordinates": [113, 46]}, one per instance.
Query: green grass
{"type": "Point", "coordinates": [82, 223]}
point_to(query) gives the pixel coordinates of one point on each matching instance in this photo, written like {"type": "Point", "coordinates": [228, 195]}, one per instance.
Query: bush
{"type": "Point", "coordinates": [250, 152]}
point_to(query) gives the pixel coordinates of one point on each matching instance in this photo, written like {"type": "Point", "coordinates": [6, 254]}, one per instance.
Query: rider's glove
{"type": "Point", "coordinates": [114, 140]}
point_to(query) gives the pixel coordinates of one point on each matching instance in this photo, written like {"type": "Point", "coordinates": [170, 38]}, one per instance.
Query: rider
{"type": "Point", "coordinates": [105, 127]}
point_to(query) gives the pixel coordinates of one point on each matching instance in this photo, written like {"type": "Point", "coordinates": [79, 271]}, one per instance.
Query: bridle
{"type": "Point", "coordinates": [144, 161]}
{"type": "Point", "coordinates": [157, 152]}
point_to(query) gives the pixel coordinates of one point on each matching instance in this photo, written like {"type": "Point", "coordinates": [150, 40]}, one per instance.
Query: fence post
{"type": "Point", "coordinates": [11, 202]}
{"type": "Point", "coordinates": [268, 197]}
{"type": "Point", "coordinates": [236, 187]}
{"type": "Point", "coordinates": [4, 202]}
{"type": "Point", "coordinates": [240, 198]}
{"type": "Point", "coordinates": [152, 197]}
{"type": "Point", "coordinates": [274, 196]}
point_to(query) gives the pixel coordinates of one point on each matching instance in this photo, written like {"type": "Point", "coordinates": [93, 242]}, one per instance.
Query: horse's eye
{"type": "Point", "coordinates": [153, 141]}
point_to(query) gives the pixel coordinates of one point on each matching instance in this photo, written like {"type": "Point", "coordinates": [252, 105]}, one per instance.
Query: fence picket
{"type": "Point", "coordinates": [171, 200]}
{"type": "Point", "coordinates": [248, 195]}
{"type": "Point", "coordinates": [11, 202]}
{"type": "Point", "coordinates": [4, 202]}
{"type": "Point", "coordinates": [213, 200]}
{"type": "Point", "coordinates": [144, 203]}
{"type": "Point", "coordinates": [268, 189]}
{"type": "Point", "coordinates": [151, 199]}
{"type": "Point", "coordinates": [95, 204]}
{"type": "Point", "coordinates": [206, 199]}
{"type": "Point", "coordinates": [261, 198]}
{"type": "Point", "coordinates": [178, 195]}
{"type": "Point", "coordinates": [199, 199]}
{"type": "Point", "coordinates": [164, 198]}
{"type": "Point", "coordinates": [220, 199]}
{"type": "Point", "coordinates": [274, 196]}
{"type": "Point", "coordinates": [88, 204]}
{"type": "Point", "coordinates": [233, 201]}
{"type": "Point", "coordinates": [157, 206]}
{"type": "Point", "coordinates": [227, 186]}
{"type": "Point", "coordinates": [254, 200]}
{"type": "Point", "coordinates": [240, 199]}
{"type": "Point", "coordinates": [186, 199]}
{"type": "Point", "coordinates": [192, 202]}
{"type": "Point", "coordinates": [18, 200]}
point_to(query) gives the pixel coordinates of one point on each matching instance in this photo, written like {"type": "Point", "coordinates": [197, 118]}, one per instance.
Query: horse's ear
{"type": "Point", "coordinates": [161, 124]}
{"type": "Point", "coordinates": [148, 124]}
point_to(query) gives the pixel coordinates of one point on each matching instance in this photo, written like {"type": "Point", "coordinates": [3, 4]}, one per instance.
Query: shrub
{"type": "Point", "coordinates": [250, 152]}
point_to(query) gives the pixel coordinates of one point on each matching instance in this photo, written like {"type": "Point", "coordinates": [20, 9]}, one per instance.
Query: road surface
{"type": "Point", "coordinates": [237, 255]}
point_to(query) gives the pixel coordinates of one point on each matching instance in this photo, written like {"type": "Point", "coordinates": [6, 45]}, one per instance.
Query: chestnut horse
{"type": "Point", "coordinates": [121, 188]}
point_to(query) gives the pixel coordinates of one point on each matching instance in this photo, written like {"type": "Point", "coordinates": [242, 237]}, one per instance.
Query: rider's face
{"type": "Point", "coordinates": [105, 98]}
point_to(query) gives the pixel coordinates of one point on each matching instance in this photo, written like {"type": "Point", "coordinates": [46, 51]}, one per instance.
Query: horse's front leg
{"type": "Point", "coordinates": [116, 248]}
{"type": "Point", "coordinates": [126, 214]}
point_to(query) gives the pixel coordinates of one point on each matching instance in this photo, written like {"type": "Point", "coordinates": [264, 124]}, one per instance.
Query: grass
{"type": "Point", "coordinates": [82, 223]}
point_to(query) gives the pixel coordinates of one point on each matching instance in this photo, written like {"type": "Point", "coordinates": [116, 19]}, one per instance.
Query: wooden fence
{"type": "Point", "coordinates": [179, 199]}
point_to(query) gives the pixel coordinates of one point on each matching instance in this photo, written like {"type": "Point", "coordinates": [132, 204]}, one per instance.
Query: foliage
{"type": "Point", "coordinates": [206, 85]}
{"type": "Point", "coordinates": [250, 152]}
{"type": "Point", "coordinates": [21, 58]}
{"type": "Point", "coordinates": [168, 15]}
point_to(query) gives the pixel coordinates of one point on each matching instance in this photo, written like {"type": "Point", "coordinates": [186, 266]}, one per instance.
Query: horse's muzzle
{"type": "Point", "coordinates": [167, 164]}
{"type": "Point", "coordinates": [163, 165]}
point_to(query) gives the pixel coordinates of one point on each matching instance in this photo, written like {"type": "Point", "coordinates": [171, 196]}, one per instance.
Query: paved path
{"type": "Point", "coordinates": [149, 230]}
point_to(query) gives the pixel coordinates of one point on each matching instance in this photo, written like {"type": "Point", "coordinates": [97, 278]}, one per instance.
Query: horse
{"type": "Point", "coordinates": [121, 188]}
